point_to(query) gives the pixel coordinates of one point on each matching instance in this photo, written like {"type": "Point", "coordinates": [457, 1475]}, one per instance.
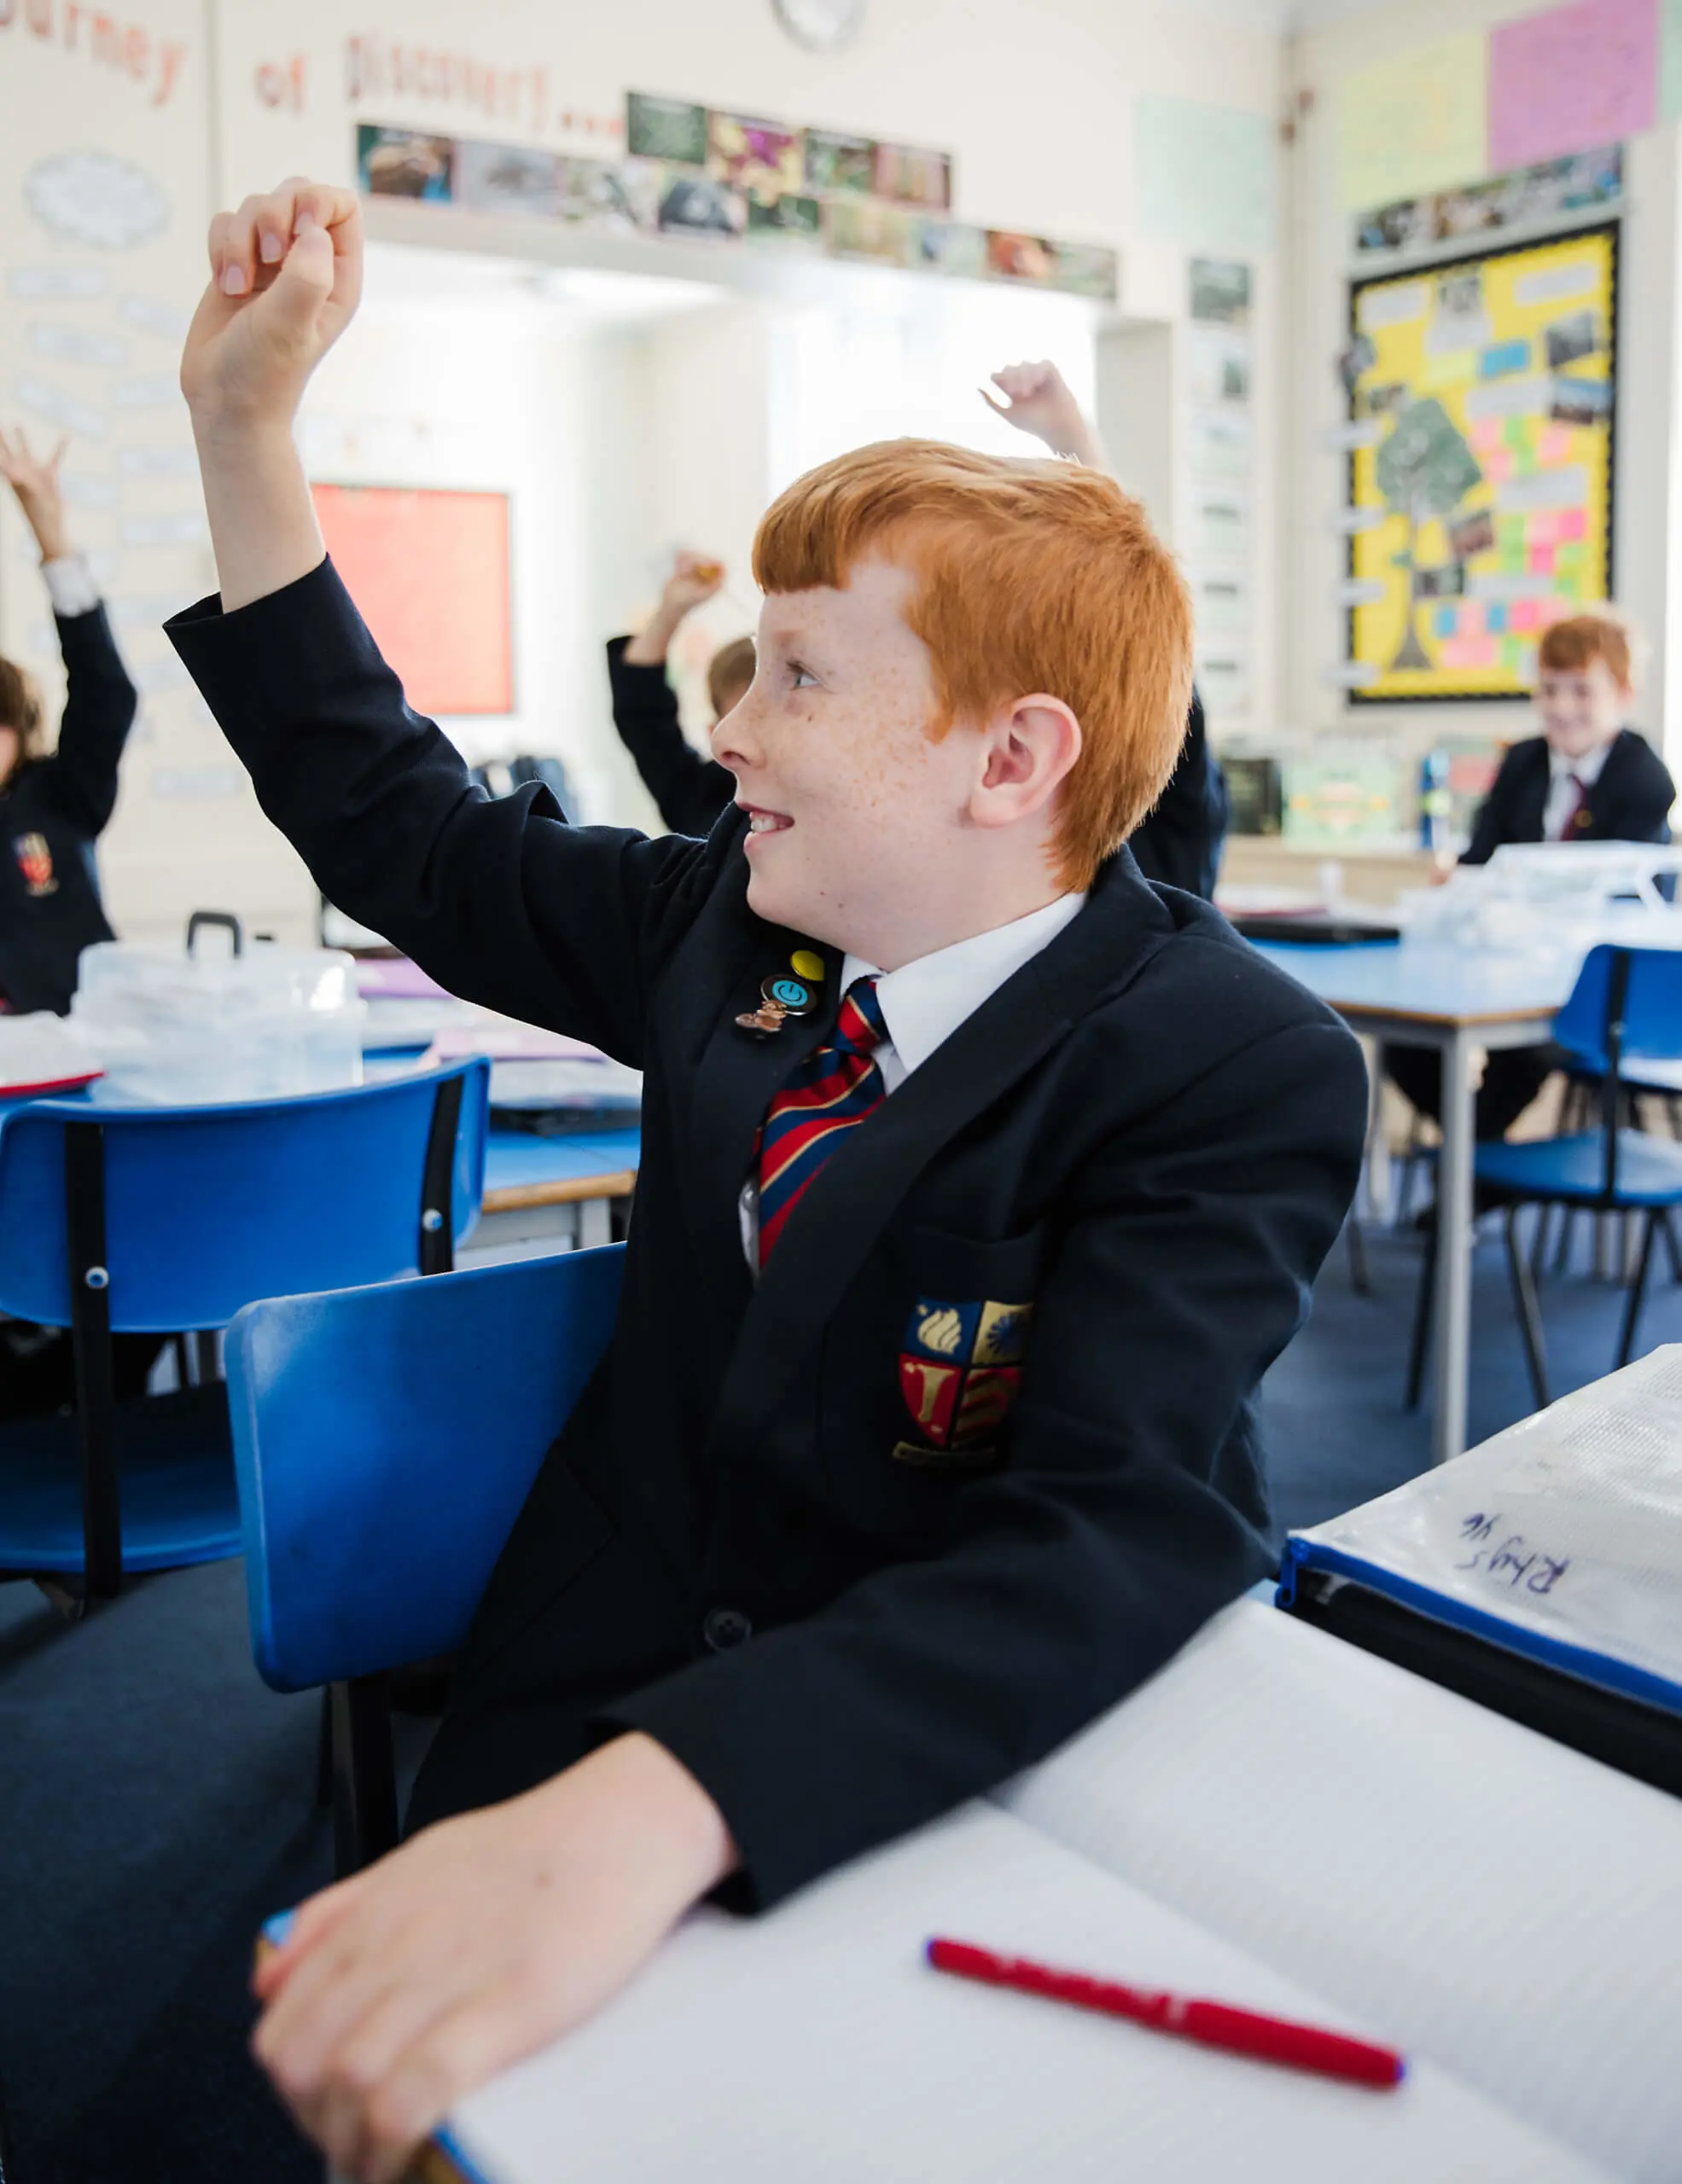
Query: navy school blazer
{"type": "Point", "coordinates": [1629, 802]}
{"type": "Point", "coordinates": [52, 811]}
{"type": "Point", "coordinates": [979, 1451]}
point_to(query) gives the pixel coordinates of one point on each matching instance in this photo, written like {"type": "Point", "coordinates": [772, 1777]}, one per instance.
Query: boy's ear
{"type": "Point", "coordinates": [1030, 747]}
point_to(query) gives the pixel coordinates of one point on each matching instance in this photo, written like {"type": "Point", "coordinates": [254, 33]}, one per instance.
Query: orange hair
{"type": "Point", "coordinates": [1033, 576]}
{"type": "Point", "coordinates": [1581, 639]}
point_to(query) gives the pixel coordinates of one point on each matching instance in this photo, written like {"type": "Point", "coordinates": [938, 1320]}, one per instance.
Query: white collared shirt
{"type": "Point", "coordinates": [923, 1003]}
{"type": "Point", "coordinates": [1564, 776]}
{"type": "Point", "coordinates": [70, 586]}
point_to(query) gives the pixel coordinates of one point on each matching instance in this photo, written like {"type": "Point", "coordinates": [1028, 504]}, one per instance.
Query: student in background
{"type": "Point", "coordinates": [1179, 841]}
{"type": "Point", "coordinates": [981, 1182]}
{"type": "Point", "coordinates": [1587, 777]}
{"type": "Point", "coordinates": [690, 791]}
{"type": "Point", "coordinates": [54, 804]}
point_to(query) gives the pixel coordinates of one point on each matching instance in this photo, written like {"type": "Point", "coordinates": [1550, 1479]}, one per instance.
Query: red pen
{"type": "Point", "coordinates": [1217, 2025]}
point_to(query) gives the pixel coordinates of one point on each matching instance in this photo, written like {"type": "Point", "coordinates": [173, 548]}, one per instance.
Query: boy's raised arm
{"type": "Point", "coordinates": [501, 900]}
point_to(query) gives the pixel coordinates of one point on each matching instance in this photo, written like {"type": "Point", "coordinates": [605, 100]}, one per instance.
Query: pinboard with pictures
{"type": "Point", "coordinates": [1482, 403]}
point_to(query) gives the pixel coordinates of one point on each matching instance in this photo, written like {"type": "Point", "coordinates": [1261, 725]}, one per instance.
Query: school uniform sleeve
{"type": "Point", "coordinates": [1179, 842]}
{"type": "Point", "coordinates": [98, 713]}
{"type": "Point", "coordinates": [1646, 793]}
{"type": "Point", "coordinates": [499, 899]}
{"type": "Point", "coordinates": [690, 791]}
{"type": "Point", "coordinates": [1066, 1579]}
{"type": "Point", "coordinates": [1493, 823]}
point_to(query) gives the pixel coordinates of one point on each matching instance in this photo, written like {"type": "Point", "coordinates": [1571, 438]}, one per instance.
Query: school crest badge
{"type": "Point", "coordinates": [960, 1372]}
{"type": "Point", "coordinates": [35, 863]}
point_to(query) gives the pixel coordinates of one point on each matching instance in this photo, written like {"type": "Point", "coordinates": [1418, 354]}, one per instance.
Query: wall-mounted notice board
{"type": "Point", "coordinates": [1483, 403]}
{"type": "Point", "coordinates": [428, 569]}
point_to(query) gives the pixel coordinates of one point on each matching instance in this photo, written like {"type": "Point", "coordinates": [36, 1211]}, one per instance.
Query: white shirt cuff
{"type": "Point", "coordinates": [69, 585]}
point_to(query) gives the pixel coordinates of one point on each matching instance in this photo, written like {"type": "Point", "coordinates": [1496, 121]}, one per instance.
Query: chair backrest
{"type": "Point", "coordinates": [1644, 997]}
{"type": "Point", "coordinates": [384, 1441]}
{"type": "Point", "coordinates": [207, 1208]}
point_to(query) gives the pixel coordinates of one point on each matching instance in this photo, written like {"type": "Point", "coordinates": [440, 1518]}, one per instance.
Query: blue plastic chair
{"type": "Point", "coordinates": [385, 1439]}
{"type": "Point", "coordinates": [150, 1220]}
{"type": "Point", "coordinates": [1625, 1009]}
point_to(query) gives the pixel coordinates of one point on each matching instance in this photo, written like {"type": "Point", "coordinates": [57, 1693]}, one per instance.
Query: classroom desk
{"type": "Point", "coordinates": [540, 1192]}
{"type": "Point", "coordinates": [1456, 1003]}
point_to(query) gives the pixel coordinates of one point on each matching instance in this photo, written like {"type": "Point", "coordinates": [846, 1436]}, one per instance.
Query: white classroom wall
{"type": "Point", "coordinates": [656, 426]}
{"type": "Point", "coordinates": [1645, 483]}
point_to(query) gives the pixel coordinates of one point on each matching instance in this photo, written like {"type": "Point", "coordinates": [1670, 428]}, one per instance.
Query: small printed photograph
{"type": "Point", "coordinates": [1402, 226]}
{"type": "Point", "coordinates": [906, 176]}
{"type": "Point", "coordinates": [839, 166]}
{"type": "Point", "coordinates": [665, 129]}
{"type": "Point", "coordinates": [602, 193]}
{"type": "Point", "coordinates": [1381, 400]}
{"type": "Point", "coordinates": [949, 247]}
{"type": "Point", "coordinates": [788, 219]}
{"type": "Point", "coordinates": [1461, 320]}
{"type": "Point", "coordinates": [763, 158]}
{"type": "Point", "coordinates": [1467, 212]}
{"type": "Point", "coordinates": [403, 163]}
{"type": "Point", "coordinates": [1567, 339]}
{"type": "Point", "coordinates": [1021, 257]}
{"type": "Point", "coordinates": [866, 228]}
{"type": "Point", "coordinates": [1359, 356]}
{"type": "Point", "coordinates": [1472, 534]}
{"type": "Point", "coordinates": [1220, 365]}
{"type": "Point", "coordinates": [1580, 401]}
{"type": "Point", "coordinates": [701, 205]}
{"type": "Point", "coordinates": [506, 178]}
{"type": "Point", "coordinates": [1220, 291]}
{"type": "Point", "coordinates": [1446, 581]}
{"type": "Point", "coordinates": [1086, 268]}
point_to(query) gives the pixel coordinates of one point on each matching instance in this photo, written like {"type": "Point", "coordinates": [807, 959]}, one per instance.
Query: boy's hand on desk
{"type": "Point", "coordinates": [478, 1941]}
{"type": "Point", "coordinates": [285, 278]}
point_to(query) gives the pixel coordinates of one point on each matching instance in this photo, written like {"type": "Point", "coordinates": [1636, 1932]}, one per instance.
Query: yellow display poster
{"type": "Point", "coordinates": [1482, 400]}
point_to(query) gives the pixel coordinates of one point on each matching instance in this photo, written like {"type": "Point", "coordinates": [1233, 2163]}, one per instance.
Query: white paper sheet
{"type": "Point", "coordinates": [1502, 1905]}
{"type": "Point", "coordinates": [815, 2047]}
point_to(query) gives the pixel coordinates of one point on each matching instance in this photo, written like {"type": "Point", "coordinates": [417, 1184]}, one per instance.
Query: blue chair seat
{"type": "Point", "coordinates": [1573, 1170]}
{"type": "Point", "coordinates": [175, 1479]}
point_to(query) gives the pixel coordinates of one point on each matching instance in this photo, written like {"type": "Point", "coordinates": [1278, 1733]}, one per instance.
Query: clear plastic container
{"type": "Point", "coordinates": [174, 1029]}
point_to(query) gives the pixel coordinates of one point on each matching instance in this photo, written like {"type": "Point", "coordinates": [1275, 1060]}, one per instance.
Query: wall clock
{"type": "Point", "coordinates": [820, 25]}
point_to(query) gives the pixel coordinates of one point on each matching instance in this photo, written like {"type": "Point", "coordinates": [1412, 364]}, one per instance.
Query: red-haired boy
{"type": "Point", "coordinates": [980, 1184]}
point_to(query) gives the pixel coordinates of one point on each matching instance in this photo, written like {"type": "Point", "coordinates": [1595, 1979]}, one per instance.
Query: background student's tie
{"type": "Point", "coordinates": [832, 1090]}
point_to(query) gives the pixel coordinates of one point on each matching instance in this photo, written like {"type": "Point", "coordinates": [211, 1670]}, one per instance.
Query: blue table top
{"type": "Point", "coordinates": [517, 1158]}
{"type": "Point", "coordinates": [1409, 980]}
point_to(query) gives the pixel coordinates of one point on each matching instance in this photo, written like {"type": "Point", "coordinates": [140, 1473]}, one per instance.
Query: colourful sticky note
{"type": "Point", "coordinates": [1525, 615]}
{"type": "Point", "coordinates": [1495, 617]}
{"type": "Point", "coordinates": [1518, 430]}
{"type": "Point", "coordinates": [1572, 556]}
{"type": "Point", "coordinates": [1512, 653]}
{"type": "Point", "coordinates": [1573, 523]}
{"type": "Point", "coordinates": [1452, 368]}
{"type": "Point", "coordinates": [1484, 434]}
{"type": "Point", "coordinates": [1570, 78]}
{"type": "Point", "coordinates": [1555, 443]}
{"type": "Point", "coordinates": [1443, 622]}
{"type": "Point", "coordinates": [1510, 530]}
{"type": "Point", "coordinates": [1540, 563]}
{"type": "Point", "coordinates": [1504, 357]}
{"type": "Point", "coordinates": [1471, 618]}
{"type": "Point", "coordinates": [1497, 464]}
{"type": "Point", "coordinates": [1414, 122]}
{"type": "Point", "coordinates": [1472, 652]}
{"type": "Point", "coordinates": [1552, 608]}
{"type": "Point", "coordinates": [1570, 584]}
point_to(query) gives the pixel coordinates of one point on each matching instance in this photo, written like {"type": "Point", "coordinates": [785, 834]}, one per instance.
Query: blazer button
{"type": "Point", "coordinates": [723, 1628]}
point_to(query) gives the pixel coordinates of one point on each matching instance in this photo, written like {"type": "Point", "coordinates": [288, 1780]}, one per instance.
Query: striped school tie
{"type": "Point", "coordinates": [832, 1090]}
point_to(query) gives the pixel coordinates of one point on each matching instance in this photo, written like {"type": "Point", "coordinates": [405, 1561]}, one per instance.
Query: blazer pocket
{"type": "Point", "coordinates": [966, 1270]}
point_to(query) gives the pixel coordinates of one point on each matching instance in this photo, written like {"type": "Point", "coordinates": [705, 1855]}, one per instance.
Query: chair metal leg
{"type": "Point", "coordinates": [364, 1776]}
{"type": "Point", "coordinates": [1423, 1304]}
{"type": "Point", "coordinates": [1356, 1243]}
{"type": "Point", "coordinates": [1637, 1290]}
{"type": "Point", "coordinates": [1562, 1249]}
{"type": "Point", "coordinates": [1667, 1230]}
{"type": "Point", "coordinates": [324, 1750]}
{"type": "Point", "coordinates": [1529, 1315]}
{"type": "Point", "coordinates": [1539, 1242]}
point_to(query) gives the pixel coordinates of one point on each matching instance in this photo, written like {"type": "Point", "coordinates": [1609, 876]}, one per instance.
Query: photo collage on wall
{"type": "Point", "coordinates": [1482, 396]}
{"type": "Point", "coordinates": [1528, 197]}
{"type": "Point", "coordinates": [692, 170]}
{"type": "Point", "coordinates": [1218, 466]}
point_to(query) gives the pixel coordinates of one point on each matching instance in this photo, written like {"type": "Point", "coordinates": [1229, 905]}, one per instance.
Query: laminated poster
{"type": "Point", "coordinates": [1481, 510]}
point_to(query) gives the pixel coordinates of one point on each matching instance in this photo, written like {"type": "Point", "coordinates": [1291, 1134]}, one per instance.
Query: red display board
{"type": "Point", "coordinates": [428, 569]}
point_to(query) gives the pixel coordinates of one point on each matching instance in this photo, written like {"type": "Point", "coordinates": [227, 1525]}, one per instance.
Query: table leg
{"type": "Point", "coordinates": [1453, 1332]}
{"type": "Point", "coordinates": [595, 1224]}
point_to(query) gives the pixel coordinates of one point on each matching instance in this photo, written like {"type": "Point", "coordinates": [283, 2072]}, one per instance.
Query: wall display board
{"type": "Point", "coordinates": [1482, 396]}
{"type": "Point", "coordinates": [428, 570]}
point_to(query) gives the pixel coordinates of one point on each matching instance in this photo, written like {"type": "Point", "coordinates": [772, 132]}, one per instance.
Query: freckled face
{"type": "Point", "coordinates": [854, 809]}
{"type": "Point", "coordinates": [1581, 707]}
